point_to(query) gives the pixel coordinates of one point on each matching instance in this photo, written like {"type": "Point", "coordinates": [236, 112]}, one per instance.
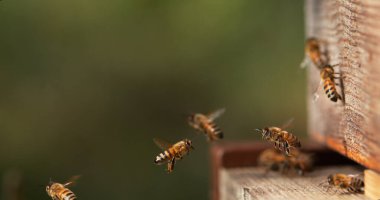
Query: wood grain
{"type": "Point", "coordinates": [372, 184]}
{"type": "Point", "coordinates": [253, 183]}
{"type": "Point", "coordinates": [350, 30]}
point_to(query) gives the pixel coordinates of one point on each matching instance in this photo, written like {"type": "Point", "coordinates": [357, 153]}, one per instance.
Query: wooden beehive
{"type": "Point", "coordinates": [350, 31]}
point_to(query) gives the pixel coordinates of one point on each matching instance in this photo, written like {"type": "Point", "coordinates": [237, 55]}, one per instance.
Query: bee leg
{"type": "Point", "coordinates": [171, 165]}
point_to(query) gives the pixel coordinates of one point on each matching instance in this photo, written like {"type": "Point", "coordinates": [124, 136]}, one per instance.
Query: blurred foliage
{"type": "Point", "coordinates": [86, 84]}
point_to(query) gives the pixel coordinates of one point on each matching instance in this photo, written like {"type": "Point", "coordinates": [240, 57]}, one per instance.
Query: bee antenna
{"type": "Point", "coordinates": [259, 130]}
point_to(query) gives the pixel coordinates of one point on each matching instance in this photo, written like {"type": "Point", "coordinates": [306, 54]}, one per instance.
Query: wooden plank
{"type": "Point", "coordinates": [253, 183]}
{"type": "Point", "coordinates": [227, 155]}
{"type": "Point", "coordinates": [350, 30]}
{"type": "Point", "coordinates": [372, 184]}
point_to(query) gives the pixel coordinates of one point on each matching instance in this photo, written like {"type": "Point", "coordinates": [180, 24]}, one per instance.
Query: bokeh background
{"type": "Point", "coordinates": [86, 84]}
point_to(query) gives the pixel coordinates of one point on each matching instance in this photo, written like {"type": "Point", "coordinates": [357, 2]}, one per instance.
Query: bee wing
{"type": "Point", "coordinates": [72, 180]}
{"type": "Point", "coordinates": [164, 145]}
{"type": "Point", "coordinates": [217, 113]}
{"type": "Point", "coordinates": [287, 124]}
{"type": "Point", "coordinates": [356, 175]}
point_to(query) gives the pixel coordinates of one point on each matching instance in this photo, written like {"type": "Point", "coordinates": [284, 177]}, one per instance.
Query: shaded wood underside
{"type": "Point", "coordinates": [253, 183]}
{"type": "Point", "coordinates": [350, 30]}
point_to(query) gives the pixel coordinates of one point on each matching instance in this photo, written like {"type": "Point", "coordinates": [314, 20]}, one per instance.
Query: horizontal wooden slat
{"type": "Point", "coordinates": [228, 155]}
{"type": "Point", "coordinates": [252, 183]}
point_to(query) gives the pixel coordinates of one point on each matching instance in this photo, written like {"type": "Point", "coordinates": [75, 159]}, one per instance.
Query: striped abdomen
{"type": "Point", "coordinates": [65, 194]}
{"type": "Point", "coordinates": [291, 139]}
{"type": "Point", "coordinates": [356, 185]}
{"type": "Point", "coordinates": [330, 89]}
{"type": "Point", "coordinates": [212, 130]}
{"type": "Point", "coordinates": [164, 157]}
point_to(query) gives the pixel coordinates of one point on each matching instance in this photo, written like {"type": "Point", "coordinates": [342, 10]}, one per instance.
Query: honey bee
{"type": "Point", "coordinates": [301, 162]}
{"type": "Point", "coordinates": [282, 140]}
{"type": "Point", "coordinates": [172, 152]}
{"type": "Point", "coordinates": [329, 86]}
{"type": "Point", "coordinates": [58, 191]}
{"type": "Point", "coordinates": [274, 160]}
{"type": "Point", "coordinates": [205, 124]}
{"type": "Point", "coordinates": [313, 53]}
{"type": "Point", "coordinates": [352, 183]}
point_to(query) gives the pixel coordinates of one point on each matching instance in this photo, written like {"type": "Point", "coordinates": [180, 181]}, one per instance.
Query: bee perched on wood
{"type": "Point", "coordinates": [300, 162]}
{"type": "Point", "coordinates": [205, 124]}
{"type": "Point", "coordinates": [313, 53]}
{"type": "Point", "coordinates": [282, 140]}
{"type": "Point", "coordinates": [58, 191]}
{"type": "Point", "coordinates": [274, 160]}
{"type": "Point", "coordinates": [329, 86]}
{"type": "Point", "coordinates": [172, 152]}
{"type": "Point", "coordinates": [349, 182]}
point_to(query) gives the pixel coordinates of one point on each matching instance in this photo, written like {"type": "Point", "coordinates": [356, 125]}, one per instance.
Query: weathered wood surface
{"type": "Point", "coordinates": [350, 30]}
{"type": "Point", "coordinates": [252, 183]}
{"type": "Point", "coordinates": [228, 155]}
{"type": "Point", "coordinates": [372, 184]}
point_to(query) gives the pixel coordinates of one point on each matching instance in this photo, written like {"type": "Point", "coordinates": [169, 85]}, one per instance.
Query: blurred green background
{"type": "Point", "coordinates": [86, 84]}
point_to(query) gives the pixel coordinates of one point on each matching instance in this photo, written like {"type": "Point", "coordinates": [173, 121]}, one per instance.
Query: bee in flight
{"type": "Point", "coordinates": [172, 152]}
{"type": "Point", "coordinates": [274, 160]}
{"type": "Point", "coordinates": [313, 53]}
{"type": "Point", "coordinates": [282, 140]}
{"type": "Point", "coordinates": [58, 191]}
{"type": "Point", "coordinates": [205, 124]}
{"type": "Point", "coordinates": [349, 182]}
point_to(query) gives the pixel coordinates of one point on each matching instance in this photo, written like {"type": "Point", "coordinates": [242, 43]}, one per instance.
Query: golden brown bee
{"type": "Point", "coordinates": [205, 124]}
{"type": "Point", "coordinates": [282, 140]}
{"type": "Point", "coordinates": [58, 191]}
{"type": "Point", "coordinates": [329, 86]}
{"type": "Point", "coordinates": [313, 53]}
{"type": "Point", "coordinates": [301, 162]}
{"type": "Point", "coordinates": [274, 160]}
{"type": "Point", "coordinates": [172, 152]}
{"type": "Point", "coordinates": [352, 183]}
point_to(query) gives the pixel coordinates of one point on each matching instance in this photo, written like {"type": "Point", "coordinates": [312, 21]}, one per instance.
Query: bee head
{"type": "Point", "coordinates": [48, 189]}
{"type": "Point", "coordinates": [261, 131]}
{"type": "Point", "coordinates": [330, 179]}
{"type": "Point", "coordinates": [190, 118]}
{"type": "Point", "coordinates": [189, 144]}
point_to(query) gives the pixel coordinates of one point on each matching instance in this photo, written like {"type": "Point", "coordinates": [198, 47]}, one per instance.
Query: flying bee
{"type": "Point", "coordinates": [282, 140]}
{"type": "Point", "coordinates": [349, 182]}
{"type": "Point", "coordinates": [58, 191]}
{"type": "Point", "coordinates": [172, 152]}
{"type": "Point", "coordinates": [313, 53]}
{"type": "Point", "coordinates": [329, 86]}
{"type": "Point", "coordinates": [205, 124]}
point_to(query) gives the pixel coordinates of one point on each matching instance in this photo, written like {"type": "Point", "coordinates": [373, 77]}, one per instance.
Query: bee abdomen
{"type": "Point", "coordinates": [330, 90]}
{"type": "Point", "coordinates": [67, 195]}
{"type": "Point", "coordinates": [217, 131]}
{"type": "Point", "coordinates": [162, 157]}
{"type": "Point", "coordinates": [356, 185]}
